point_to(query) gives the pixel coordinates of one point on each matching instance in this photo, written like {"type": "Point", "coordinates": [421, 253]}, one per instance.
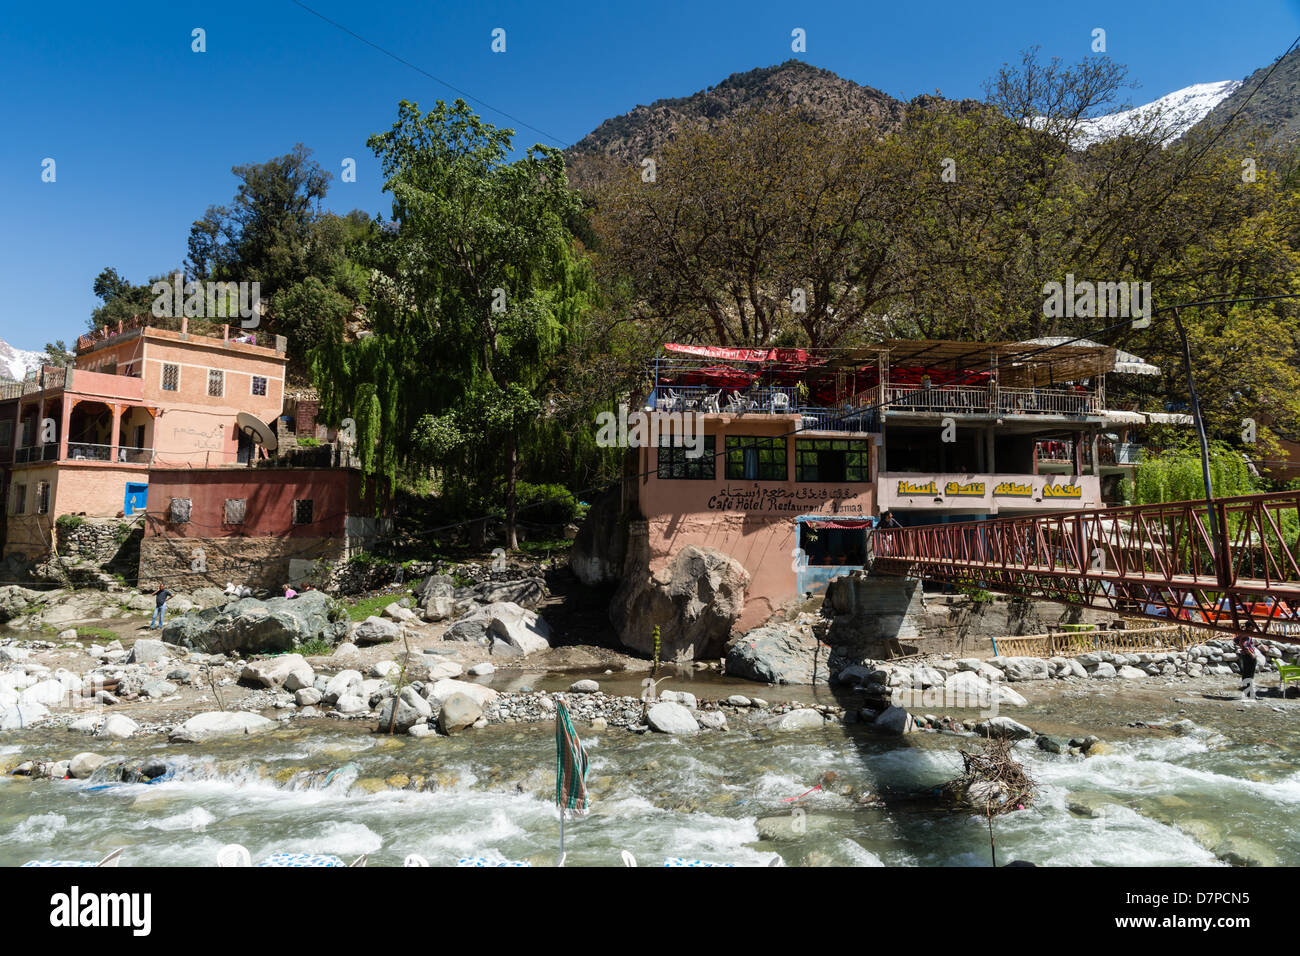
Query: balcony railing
{"type": "Point", "coordinates": [83, 451]}
{"type": "Point", "coordinates": [1110, 452]}
{"type": "Point", "coordinates": [775, 400]}
{"type": "Point", "coordinates": [1042, 401]}
{"type": "Point", "coordinates": [126, 454]}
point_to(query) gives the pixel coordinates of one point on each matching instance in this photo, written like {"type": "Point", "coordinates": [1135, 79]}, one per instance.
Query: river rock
{"type": "Point", "coordinates": [894, 720]}
{"type": "Point", "coordinates": [157, 689]}
{"type": "Point", "coordinates": [345, 649]}
{"type": "Point", "coordinates": [147, 650]}
{"type": "Point", "coordinates": [1025, 668]}
{"type": "Point", "coordinates": [352, 704]}
{"type": "Point", "coordinates": [584, 687]}
{"type": "Point", "coordinates": [480, 670]}
{"type": "Point", "coordinates": [84, 764]}
{"type": "Point", "coordinates": [307, 697]}
{"type": "Point", "coordinates": [374, 630]}
{"type": "Point", "coordinates": [437, 597]}
{"type": "Point", "coordinates": [1003, 727]}
{"type": "Point", "coordinates": [683, 697]}
{"type": "Point", "coordinates": [1087, 803]}
{"type": "Point", "coordinates": [518, 628]}
{"type": "Point", "coordinates": [86, 725]}
{"type": "Point", "coordinates": [343, 684]}
{"type": "Point", "coordinates": [118, 727]}
{"type": "Point", "coordinates": [444, 669]}
{"type": "Point", "coordinates": [1242, 851]}
{"type": "Point", "coordinates": [459, 712]}
{"type": "Point", "coordinates": [438, 692]}
{"type": "Point", "coordinates": [250, 626]}
{"type": "Point", "coordinates": [695, 600]}
{"type": "Point", "coordinates": [1130, 673]}
{"type": "Point", "coordinates": [1103, 670]}
{"type": "Point", "coordinates": [805, 718]}
{"type": "Point", "coordinates": [786, 653]}
{"type": "Point", "coordinates": [277, 672]}
{"type": "Point", "coordinates": [411, 709]}
{"type": "Point", "coordinates": [214, 724]}
{"type": "Point", "coordinates": [668, 717]}
{"type": "Point", "coordinates": [711, 719]}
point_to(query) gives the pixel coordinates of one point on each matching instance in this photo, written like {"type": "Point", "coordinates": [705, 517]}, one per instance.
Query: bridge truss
{"type": "Point", "coordinates": [1237, 573]}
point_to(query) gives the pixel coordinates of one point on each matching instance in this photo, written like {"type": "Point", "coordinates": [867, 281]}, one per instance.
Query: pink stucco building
{"type": "Point", "coordinates": [81, 440]}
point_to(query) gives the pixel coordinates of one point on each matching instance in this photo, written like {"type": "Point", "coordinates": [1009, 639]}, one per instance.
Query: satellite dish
{"type": "Point", "coordinates": [256, 429]}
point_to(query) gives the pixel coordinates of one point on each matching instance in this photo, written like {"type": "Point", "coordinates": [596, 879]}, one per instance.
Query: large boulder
{"type": "Point", "coordinates": [785, 653]}
{"type": "Point", "coordinates": [1003, 727]}
{"type": "Point", "coordinates": [375, 630]}
{"type": "Point", "coordinates": [597, 554]}
{"type": "Point", "coordinates": [438, 597]}
{"type": "Point", "coordinates": [147, 651]}
{"type": "Point", "coordinates": [440, 691]}
{"type": "Point", "coordinates": [501, 621]}
{"type": "Point", "coordinates": [279, 672]}
{"type": "Point", "coordinates": [805, 718]}
{"type": "Point", "coordinates": [215, 723]}
{"type": "Point", "coordinates": [459, 711]}
{"type": "Point", "coordinates": [895, 720]}
{"type": "Point", "coordinates": [694, 600]}
{"type": "Point", "coordinates": [250, 626]}
{"type": "Point", "coordinates": [668, 717]}
{"type": "Point", "coordinates": [411, 708]}
{"type": "Point", "coordinates": [519, 629]}
{"type": "Point", "coordinates": [16, 715]}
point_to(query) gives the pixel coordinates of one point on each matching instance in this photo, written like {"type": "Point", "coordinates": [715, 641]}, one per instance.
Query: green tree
{"type": "Point", "coordinates": [480, 288]}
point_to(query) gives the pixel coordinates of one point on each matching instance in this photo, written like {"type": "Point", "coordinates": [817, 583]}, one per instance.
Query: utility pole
{"type": "Point", "coordinates": [1215, 549]}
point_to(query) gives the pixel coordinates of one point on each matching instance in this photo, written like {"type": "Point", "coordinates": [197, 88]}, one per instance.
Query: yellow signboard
{"type": "Point", "coordinates": [911, 488]}
{"type": "Point", "coordinates": [971, 489]}
{"type": "Point", "coordinates": [1013, 489]}
{"type": "Point", "coordinates": [1062, 491]}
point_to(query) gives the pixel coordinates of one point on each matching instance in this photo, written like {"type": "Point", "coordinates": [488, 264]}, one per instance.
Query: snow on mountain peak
{"type": "Point", "coordinates": [1175, 112]}
{"type": "Point", "coordinates": [14, 363]}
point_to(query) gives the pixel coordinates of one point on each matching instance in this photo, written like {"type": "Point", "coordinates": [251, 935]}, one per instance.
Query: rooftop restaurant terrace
{"type": "Point", "coordinates": [846, 389]}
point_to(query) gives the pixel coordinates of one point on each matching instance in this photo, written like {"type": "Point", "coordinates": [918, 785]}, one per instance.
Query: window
{"type": "Point", "coordinates": [831, 459]}
{"type": "Point", "coordinates": [302, 511]}
{"type": "Point", "coordinates": [235, 510]}
{"type": "Point", "coordinates": [171, 379]}
{"type": "Point", "coordinates": [676, 462]}
{"type": "Point", "coordinates": [259, 384]}
{"type": "Point", "coordinates": [42, 497]}
{"type": "Point", "coordinates": [19, 499]}
{"type": "Point", "coordinates": [6, 434]}
{"type": "Point", "coordinates": [179, 512]}
{"type": "Point", "coordinates": [758, 459]}
{"type": "Point", "coordinates": [216, 382]}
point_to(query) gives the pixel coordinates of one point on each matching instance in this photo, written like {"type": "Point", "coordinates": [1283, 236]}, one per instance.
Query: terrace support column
{"type": "Point", "coordinates": [113, 441]}
{"type": "Point", "coordinates": [1096, 457]}
{"type": "Point", "coordinates": [40, 425]}
{"type": "Point", "coordinates": [63, 425]}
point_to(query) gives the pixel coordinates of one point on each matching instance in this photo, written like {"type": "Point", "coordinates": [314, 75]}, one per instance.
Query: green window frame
{"type": "Point", "coordinates": [674, 463]}
{"type": "Point", "coordinates": [813, 458]}
{"type": "Point", "coordinates": [752, 458]}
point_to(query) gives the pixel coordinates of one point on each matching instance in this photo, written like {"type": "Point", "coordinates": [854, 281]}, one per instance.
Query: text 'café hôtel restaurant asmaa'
{"type": "Point", "coordinates": [802, 451]}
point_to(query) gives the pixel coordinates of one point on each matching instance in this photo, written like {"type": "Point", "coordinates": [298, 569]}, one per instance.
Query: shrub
{"type": "Point", "coordinates": [546, 504]}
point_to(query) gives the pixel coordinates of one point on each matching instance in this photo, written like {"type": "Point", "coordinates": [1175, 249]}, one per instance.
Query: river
{"type": "Point", "coordinates": [319, 786]}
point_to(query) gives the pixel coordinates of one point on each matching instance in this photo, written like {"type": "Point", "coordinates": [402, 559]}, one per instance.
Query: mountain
{"type": "Point", "coordinates": [1176, 112]}
{"type": "Point", "coordinates": [1275, 107]}
{"type": "Point", "coordinates": [644, 131]}
{"type": "Point", "coordinates": [14, 363]}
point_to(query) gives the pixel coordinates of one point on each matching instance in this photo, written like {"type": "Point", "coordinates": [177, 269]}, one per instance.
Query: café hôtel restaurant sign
{"type": "Point", "coordinates": [989, 494]}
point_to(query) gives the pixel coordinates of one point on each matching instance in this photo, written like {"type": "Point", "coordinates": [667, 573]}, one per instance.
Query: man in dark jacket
{"type": "Point", "coordinates": [160, 607]}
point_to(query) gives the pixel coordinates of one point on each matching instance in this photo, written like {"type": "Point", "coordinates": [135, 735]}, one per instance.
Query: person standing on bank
{"type": "Point", "coordinates": [1246, 658]}
{"type": "Point", "coordinates": [160, 607]}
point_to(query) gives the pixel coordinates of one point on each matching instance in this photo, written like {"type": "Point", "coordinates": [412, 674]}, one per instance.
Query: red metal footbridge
{"type": "Point", "coordinates": [1229, 565]}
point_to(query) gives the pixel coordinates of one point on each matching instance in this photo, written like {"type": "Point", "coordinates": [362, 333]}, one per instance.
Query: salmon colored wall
{"type": "Point", "coordinates": [755, 524]}
{"type": "Point", "coordinates": [269, 493]}
{"type": "Point", "coordinates": [96, 489]}
{"type": "Point", "coordinates": [196, 357]}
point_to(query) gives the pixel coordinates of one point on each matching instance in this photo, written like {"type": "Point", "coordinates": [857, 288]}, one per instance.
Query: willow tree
{"type": "Point", "coordinates": [476, 285]}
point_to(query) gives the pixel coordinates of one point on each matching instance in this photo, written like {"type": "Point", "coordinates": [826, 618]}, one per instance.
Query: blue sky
{"type": "Point", "coordinates": [144, 131]}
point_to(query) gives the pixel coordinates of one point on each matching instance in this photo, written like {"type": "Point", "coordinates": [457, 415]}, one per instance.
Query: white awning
{"type": "Point", "coordinates": [1125, 362]}
{"type": "Point", "coordinates": [1147, 418]}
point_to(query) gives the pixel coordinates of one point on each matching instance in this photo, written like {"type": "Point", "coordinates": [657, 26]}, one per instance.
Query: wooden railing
{"type": "Point", "coordinates": [1172, 637]}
